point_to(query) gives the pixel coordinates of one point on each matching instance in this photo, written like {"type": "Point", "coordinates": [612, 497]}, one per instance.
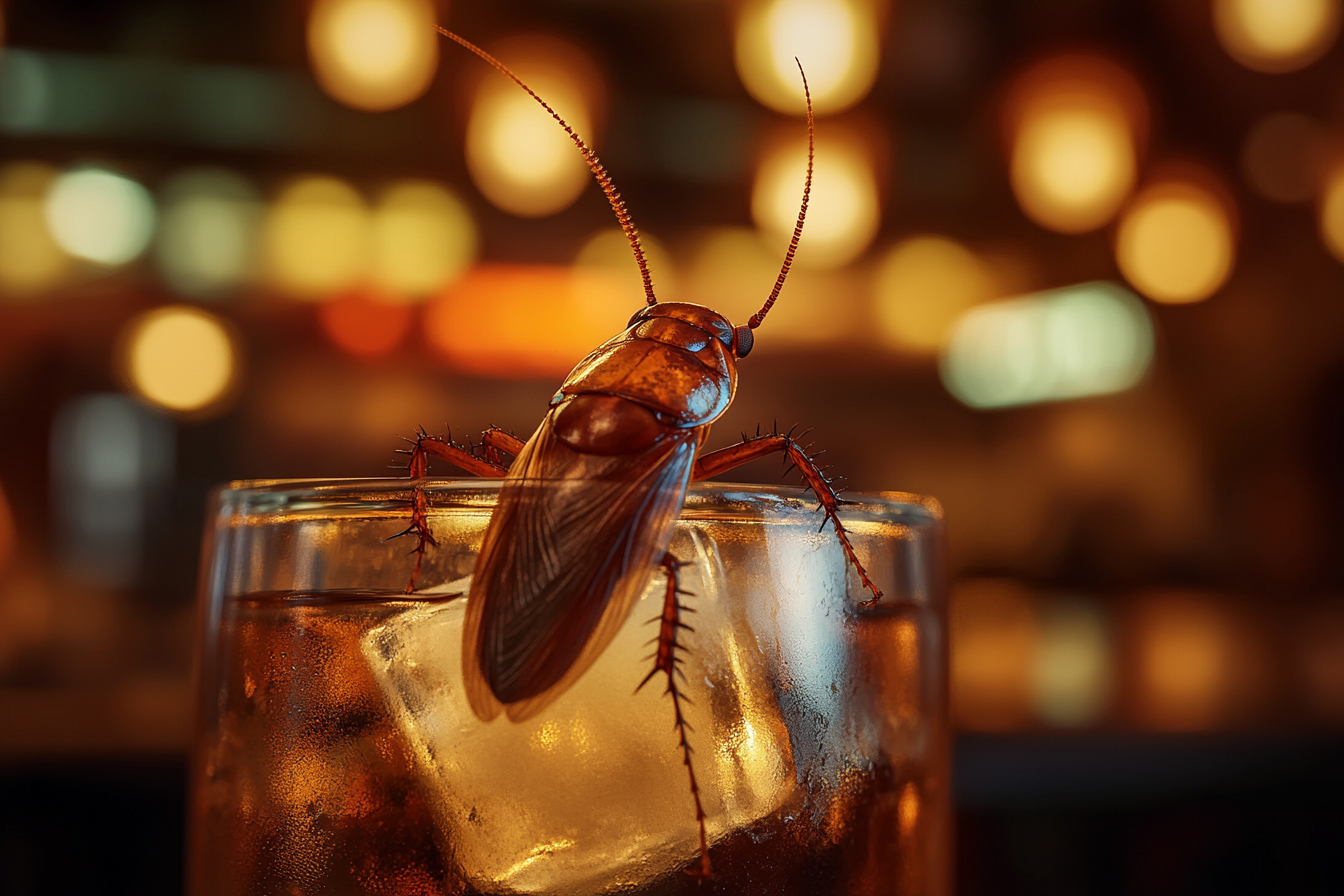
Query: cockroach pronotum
{"type": "Point", "coordinates": [623, 432]}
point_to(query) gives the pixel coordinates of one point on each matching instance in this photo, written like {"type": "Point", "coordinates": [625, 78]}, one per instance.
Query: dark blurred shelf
{"type": "Point", "coordinates": [1119, 769]}
{"type": "Point", "coordinates": [146, 717]}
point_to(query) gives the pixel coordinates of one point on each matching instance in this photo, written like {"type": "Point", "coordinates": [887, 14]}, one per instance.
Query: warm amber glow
{"type": "Point", "coordinates": [364, 327]}
{"type": "Point", "coordinates": [1075, 125]}
{"type": "Point", "coordinates": [518, 156]}
{"type": "Point", "coordinates": [180, 358]}
{"type": "Point", "coordinates": [30, 259]}
{"type": "Point", "coordinates": [373, 54]}
{"type": "Point", "coordinates": [923, 285]}
{"type": "Point", "coordinates": [424, 238]}
{"type": "Point", "coordinates": [1276, 35]}
{"type": "Point", "coordinates": [512, 321]}
{"type": "Point", "coordinates": [842, 213]}
{"type": "Point", "coordinates": [1176, 243]}
{"type": "Point", "coordinates": [607, 285]}
{"type": "Point", "coordinates": [1185, 658]}
{"type": "Point", "coordinates": [835, 40]}
{"type": "Point", "coordinates": [317, 238]}
{"type": "Point", "coordinates": [1332, 214]}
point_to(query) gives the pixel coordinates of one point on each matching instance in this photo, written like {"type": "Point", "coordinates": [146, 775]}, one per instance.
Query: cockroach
{"type": "Point", "coordinates": [561, 566]}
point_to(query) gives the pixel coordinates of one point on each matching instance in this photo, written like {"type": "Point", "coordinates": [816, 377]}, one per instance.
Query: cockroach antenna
{"type": "Point", "coordinates": [600, 172]}
{"type": "Point", "coordinates": [802, 212]}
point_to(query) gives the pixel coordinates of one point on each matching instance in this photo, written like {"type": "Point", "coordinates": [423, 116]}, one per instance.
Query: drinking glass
{"type": "Point", "coordinates": [336, 751]}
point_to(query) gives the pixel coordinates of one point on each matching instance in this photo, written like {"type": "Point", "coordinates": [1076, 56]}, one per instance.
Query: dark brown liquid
{"type": "Point", "coordinates": [305, 784]}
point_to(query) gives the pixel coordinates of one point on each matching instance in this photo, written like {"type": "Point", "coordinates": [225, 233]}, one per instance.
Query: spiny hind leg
{"type": "Point", "coordinates": [667, 660]}
{"type": "Point", "coordinates": [717, 462]}
{"type": "Point", "coordinates": [423, 447]}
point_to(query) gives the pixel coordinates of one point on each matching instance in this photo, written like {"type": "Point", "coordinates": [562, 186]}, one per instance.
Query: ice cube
{"type": "Point", "coordinates": [591, 794]}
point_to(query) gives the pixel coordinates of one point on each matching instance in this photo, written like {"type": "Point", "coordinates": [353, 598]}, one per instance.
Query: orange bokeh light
{"type": "Point", "coordinates": [363, 326]}
{"type": "Point", "coordinates": [512, 321]}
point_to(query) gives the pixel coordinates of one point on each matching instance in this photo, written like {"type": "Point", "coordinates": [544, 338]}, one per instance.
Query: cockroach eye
{"type": "Point", "coordinates": [635, 318]}
{"type": "Point", "coordinates": [745, 340]}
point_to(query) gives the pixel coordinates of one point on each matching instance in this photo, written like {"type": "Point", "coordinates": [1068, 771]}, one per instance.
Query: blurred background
{"type": "Point", "coordinates": [1074, 267]}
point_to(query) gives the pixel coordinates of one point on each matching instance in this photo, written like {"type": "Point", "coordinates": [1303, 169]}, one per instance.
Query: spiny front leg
{"type": "Point", "coordinates": [667, 660]}
{"type": "Point", "coordinates": [725, 459]}
{"type": "Point", "coordinates": [424, 446]}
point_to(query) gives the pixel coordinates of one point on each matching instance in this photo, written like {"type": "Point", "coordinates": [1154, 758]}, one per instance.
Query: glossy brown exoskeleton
{"type": "Point", "coordinates": [586, 511]}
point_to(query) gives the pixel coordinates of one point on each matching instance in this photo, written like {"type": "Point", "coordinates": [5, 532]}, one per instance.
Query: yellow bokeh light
{"type": "Point", "coordinates": [923, 285]}
{"type": "Point", "coordinates": [607, 285]}
{"type": "Point", "coordinates": [208, 242]}
{"type": "Point", "coordinates": [1176, 243]}
{"type": "Point", "coordinates": [424, 238]}
{"type": "Point", "coordinates": [1332, 214]}
{"type": "Point", "coordinates": [1075, 124]}
{"type": "Point", "coordinates": [317, 238]}
{"type": "Point", "coordinates": [180, 358]}
{"type": "Point", "coordinates": [519, 157]}
{"type": "Point", "coordinates": [30, 259]}
{"type": "Point", "coordinates": [373, 54]}
{"type": "Point", "coordinates": [1276, 35]}
{"type": "Point", "coordinates": [835, 40]}
{"type": "Point", "coordinates": [843, 211]}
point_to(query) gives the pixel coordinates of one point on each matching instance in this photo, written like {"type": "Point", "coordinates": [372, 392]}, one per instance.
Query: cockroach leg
{"type": "Point", "coordinates": [717, 462]}
{"type": "Point", "coordinates": [423, 447]}
{"type": "Point", "coordinates": [667, 659]}
{"type": "Point", "coordinates": [496, 444]}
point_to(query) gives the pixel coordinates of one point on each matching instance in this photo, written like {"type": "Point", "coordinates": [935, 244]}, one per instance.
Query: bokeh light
{"type": "Point", "coordinates": [424, 238]}
{"type": "Point", "coordinates": [1090, 339]}
{"type": "Point", "coordinates": [1073, 671]}
{"type": "Point", "coordinates": [208, 240]}
{"type": "Point", "coordinates": [835, 40]}
{"type": "Point", "coordinates": [607, 284]}
{"type": "Point", "coordinates": [317, 238]}
{"type": "Point", "coordinates": [30, 259]}
{"type": "Point", "coordinates": [364, 327]}
{"type": "Point", "coordinates": [1185, 654]}
{"type": "Point", "coordinates": [994, 630]}
{"type": "Point", "coordinates": [1279, 157]}
{"type": "Point", "coordinates": [1075, 126]}
{"type": "Point", "coordinates": [99, 215]}
{"type": "Point", "coordinates": [519, 157]}
{"type": "Point", "coordinates": [181, 359]}
{"type": "Point", "coordinates": [1276, 35]}
{"type": "Point", "coordinates": [1332, 213]}
{"type": "Point", "coordinates": [843, 211]}
{"type": "Point", "coordinates": [923, 285]}
{"type": "Point", "coordinates": [1176, 242]}
{"type": "Point", "coordinates": [512, 321]}
{"type": "Point", "coordinates": [373, 54]}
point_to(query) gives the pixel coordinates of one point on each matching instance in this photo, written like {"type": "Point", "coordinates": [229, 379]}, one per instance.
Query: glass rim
{"type": "Point", "coordinates": [261, 496]}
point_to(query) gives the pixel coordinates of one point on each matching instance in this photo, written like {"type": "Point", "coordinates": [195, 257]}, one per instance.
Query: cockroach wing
{"type": "Point", "coordinates": [569, 550]}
